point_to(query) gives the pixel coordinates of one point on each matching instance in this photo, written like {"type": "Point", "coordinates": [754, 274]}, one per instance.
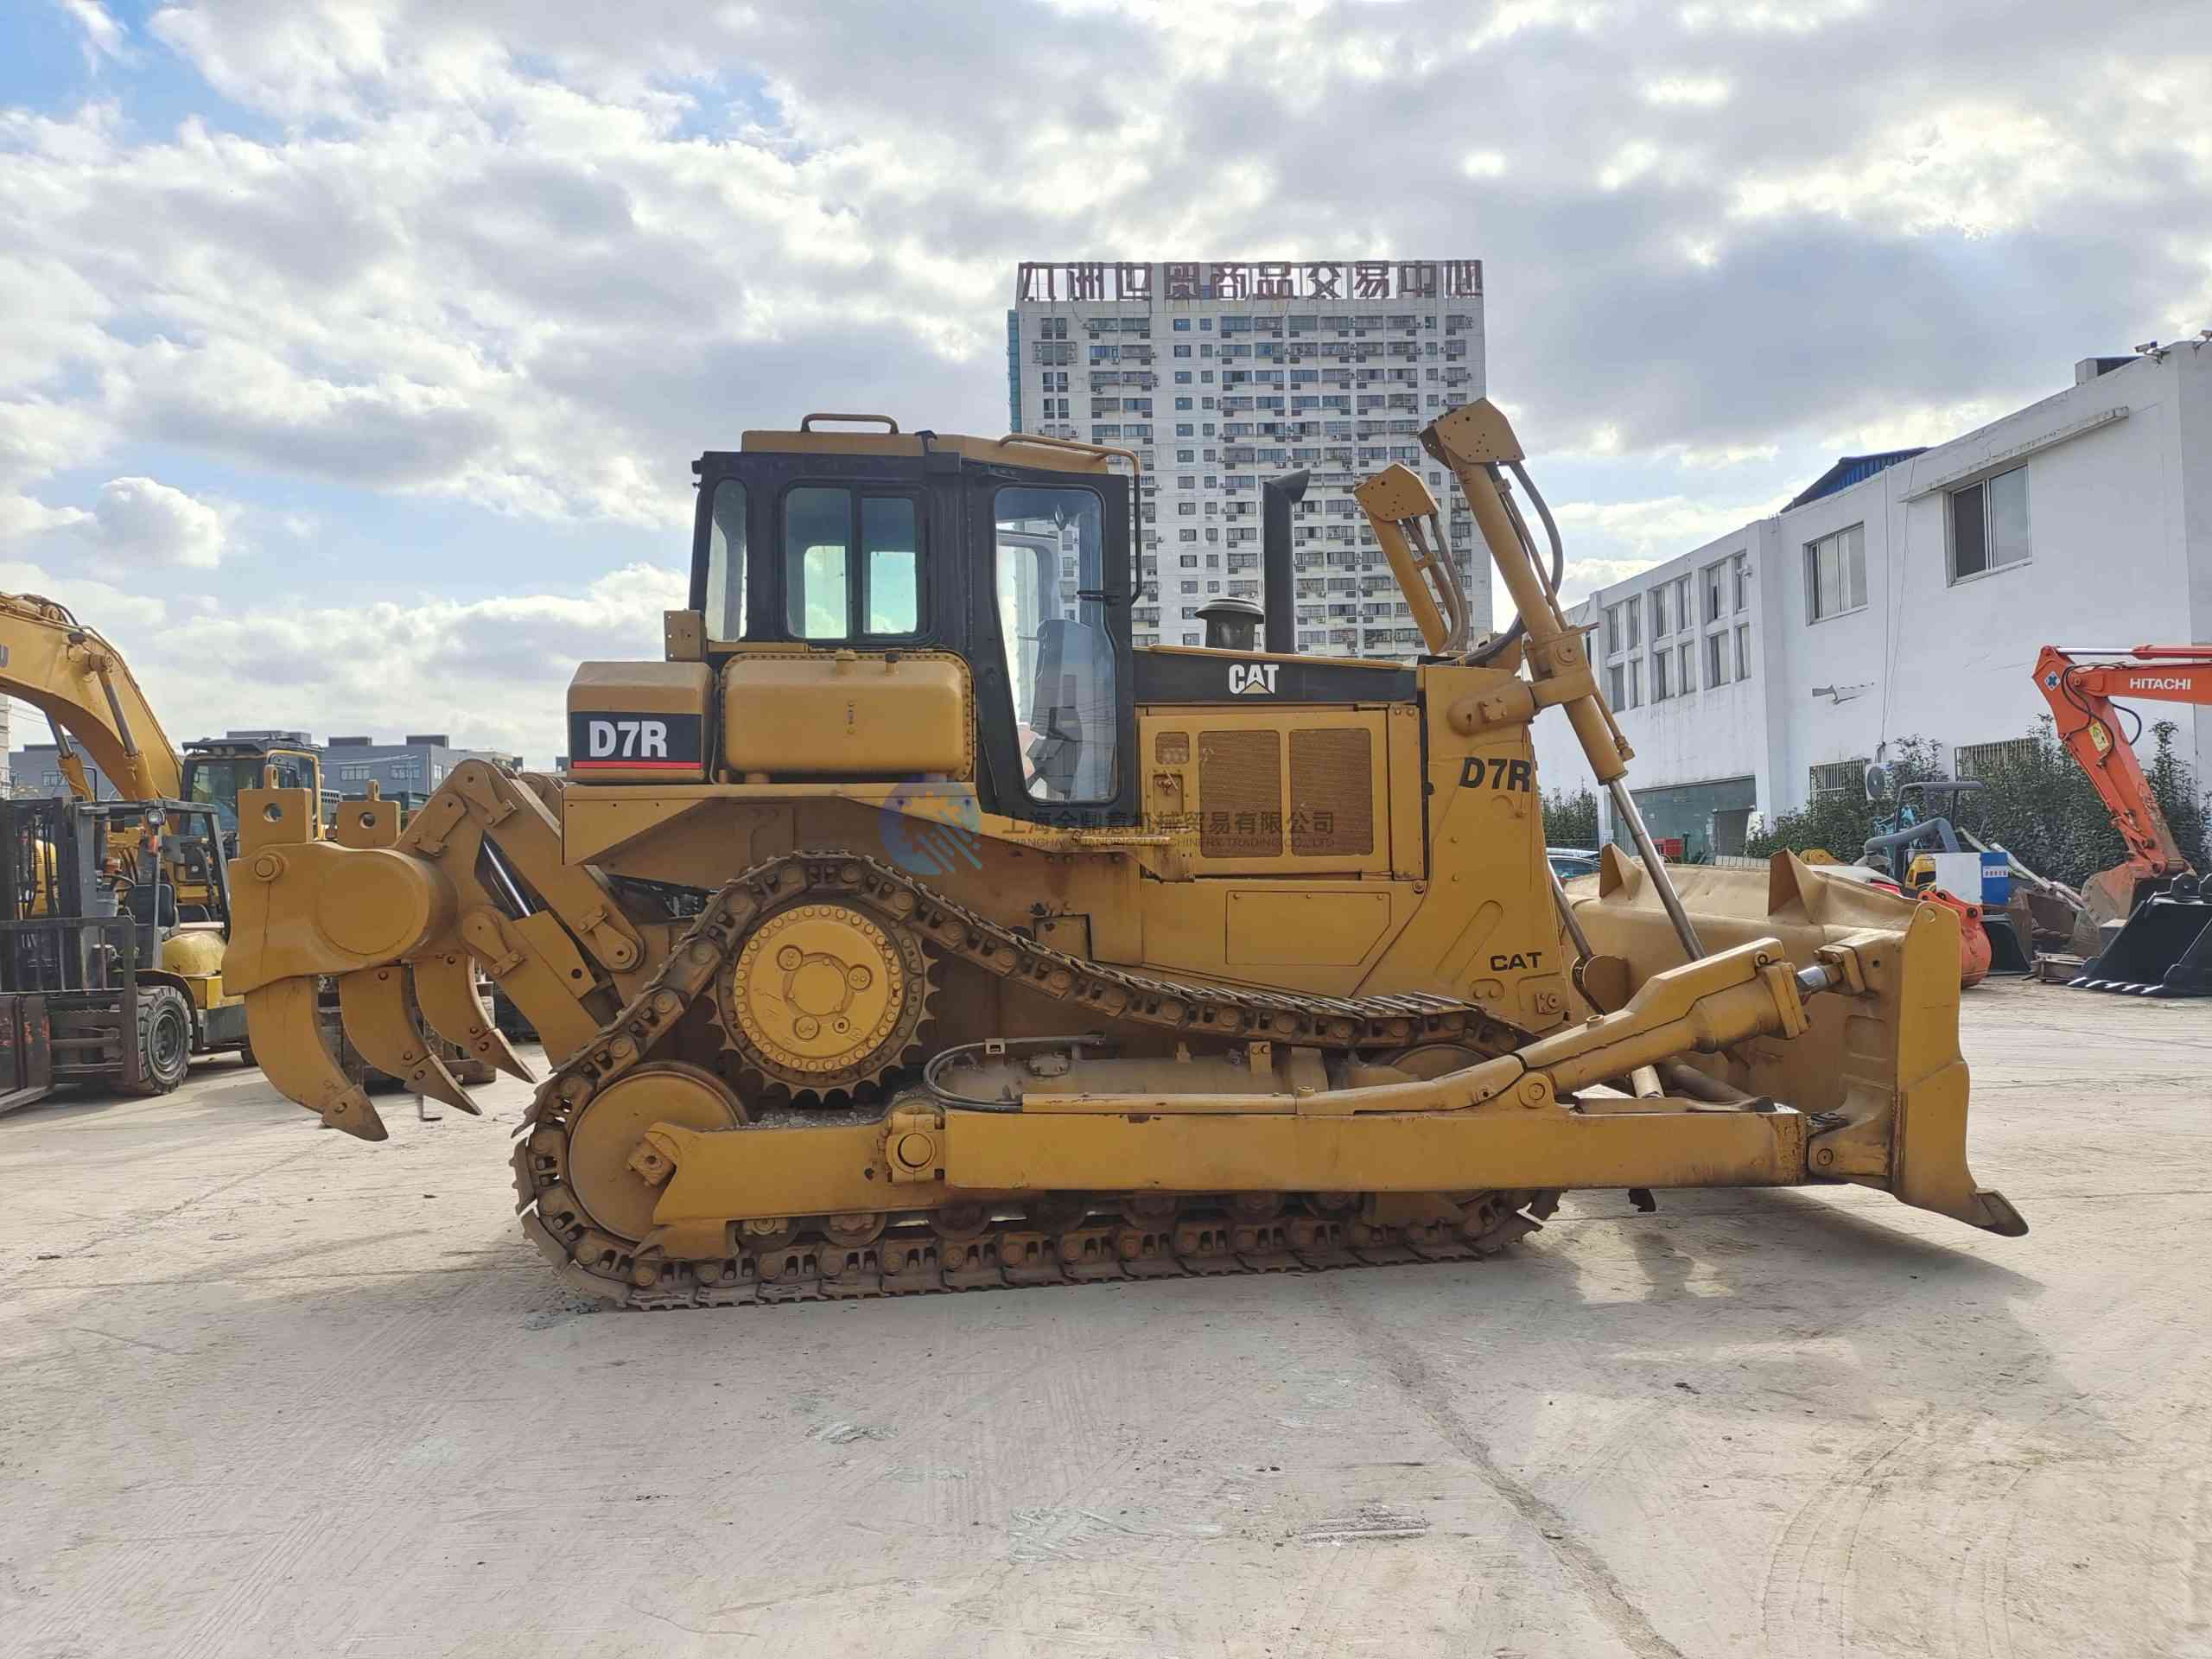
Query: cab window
{"type": "Point", "coordinates": [1059, 657]}
{"type": "Point", "coordinates": [216, 781]}
{"type": "Point", "coordinates": [726, 561]}
{"type": "Point", "coordinates": [852, 564]}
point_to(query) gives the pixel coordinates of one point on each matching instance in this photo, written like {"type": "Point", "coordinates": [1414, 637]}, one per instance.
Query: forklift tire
{"type": "Point", "coordinates": [164, 1038]}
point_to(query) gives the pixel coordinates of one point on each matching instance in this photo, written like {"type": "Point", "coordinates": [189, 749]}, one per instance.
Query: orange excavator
{"type": "Point", "coordinates": [2165, 946]}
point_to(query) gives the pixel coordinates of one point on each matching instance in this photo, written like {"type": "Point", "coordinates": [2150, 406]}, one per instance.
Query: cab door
{"type": "Point", "coordinates": [1049, 640]}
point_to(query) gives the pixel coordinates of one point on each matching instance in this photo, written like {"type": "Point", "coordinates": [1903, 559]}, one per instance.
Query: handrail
{"type": "Point", "coordinates": [1037, 440]}
{"type": "Point", "coordinates": [806, 421]}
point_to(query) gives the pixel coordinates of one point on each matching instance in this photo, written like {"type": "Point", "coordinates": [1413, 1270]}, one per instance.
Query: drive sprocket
{"type": "Point", "coordinates": [823, 998]}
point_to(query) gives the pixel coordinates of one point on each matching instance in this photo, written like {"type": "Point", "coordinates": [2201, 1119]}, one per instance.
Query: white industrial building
{"type": "Point", "coordinates": [1220, 376]}
{"type": "Point", "coordinates": [1907, 594]}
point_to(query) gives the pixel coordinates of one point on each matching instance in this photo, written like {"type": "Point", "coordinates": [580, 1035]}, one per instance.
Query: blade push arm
{"type": "Point", "coordinates": [2081, 709]}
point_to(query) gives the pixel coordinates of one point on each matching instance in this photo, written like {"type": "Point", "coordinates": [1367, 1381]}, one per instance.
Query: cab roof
{"type": "Point", "coordinates": [1018, 449]}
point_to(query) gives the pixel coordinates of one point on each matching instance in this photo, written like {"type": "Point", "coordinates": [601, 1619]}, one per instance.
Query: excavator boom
{"type": "Point", "coordinates": [80, 682]}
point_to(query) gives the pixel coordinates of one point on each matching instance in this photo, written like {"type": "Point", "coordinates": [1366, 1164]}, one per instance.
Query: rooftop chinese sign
{"type": "Point", "coordinates": [1047, 281]}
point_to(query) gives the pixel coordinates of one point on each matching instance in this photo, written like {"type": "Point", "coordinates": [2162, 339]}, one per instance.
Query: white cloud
{"type": "Point", "coordinates": [1658, 528]}
{"type": "Point", "coordinates": [490, 672]}
{"type": "Point", "coordinates": [136, 527]}
{"type": "Point", "coordinates": [528, 257]}
{"type": "Point", "coordinates": [102, 604]}
{"type": "Point", "coordinates": [102, 35]}
{"type": "Point", "coordinates": [143, 522]}
{"type": "Point", "coordinates": [1701, 91]}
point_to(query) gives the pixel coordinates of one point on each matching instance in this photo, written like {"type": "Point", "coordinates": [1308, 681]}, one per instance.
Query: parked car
{"type": "Point", "coordinates": [1567, 863]}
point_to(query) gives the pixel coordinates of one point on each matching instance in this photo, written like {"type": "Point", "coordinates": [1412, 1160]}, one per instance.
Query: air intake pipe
{"type": "Point", "coordinates": [1279, 578]}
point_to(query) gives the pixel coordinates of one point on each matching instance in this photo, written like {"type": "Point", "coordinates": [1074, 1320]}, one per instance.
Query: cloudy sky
{"type": "Point", "coordinates": [354, 353]}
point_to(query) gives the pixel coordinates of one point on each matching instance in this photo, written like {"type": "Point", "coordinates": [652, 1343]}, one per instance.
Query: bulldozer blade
{"type": "Point", "coordinates": [372, 1003]}
{"type": "Point", "coordinates": [1882, 1064]}
{"type": "Point", "coordinates": [445, 990]}
{"type": "Point", "coordinates": [283, 1024]}
{"type": "Point", "coordinates": [2165, 949]}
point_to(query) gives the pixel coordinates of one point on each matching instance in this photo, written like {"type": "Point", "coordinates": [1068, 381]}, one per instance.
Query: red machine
{"type": "Point", "coordinates": [2166, 949]}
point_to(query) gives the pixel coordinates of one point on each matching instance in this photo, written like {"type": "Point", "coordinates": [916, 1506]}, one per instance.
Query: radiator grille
{"type": "Point", "coordinates": [1240, 794]}
{"type": "Point", "coordinates": [1331, 793]}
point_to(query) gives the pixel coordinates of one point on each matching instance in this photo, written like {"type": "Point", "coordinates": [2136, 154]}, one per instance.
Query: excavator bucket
{"type": "Point", "coordinates": [2164, 949]}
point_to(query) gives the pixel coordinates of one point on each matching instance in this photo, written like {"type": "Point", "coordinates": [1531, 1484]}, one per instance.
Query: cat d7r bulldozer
{"type": "Point", "coordinates": [906, 929]}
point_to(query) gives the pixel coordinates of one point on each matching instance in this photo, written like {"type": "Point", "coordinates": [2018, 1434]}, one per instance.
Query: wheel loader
{"type": "Point", "coordinates": [905, 928]}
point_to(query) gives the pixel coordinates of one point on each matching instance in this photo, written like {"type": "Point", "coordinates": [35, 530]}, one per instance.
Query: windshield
{"type": "Point", "coordinates": [215, 780]}
{"type": "Point", "coordinates": [1051, 569]}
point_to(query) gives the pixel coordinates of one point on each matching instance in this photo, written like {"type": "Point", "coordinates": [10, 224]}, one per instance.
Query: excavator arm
{"type": "Point", "coordinates": [2081, 697]}
{"type": "Point", "coordinates": [88, 695]}
{"type": "Point", "coordinates": [2166, 947]}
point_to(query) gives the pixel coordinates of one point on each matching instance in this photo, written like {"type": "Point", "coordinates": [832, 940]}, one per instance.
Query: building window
{"type": "Point", "coordinates": [355, 772]}
{"type": "Point", "coordinates": [1658, 620]}
{"type": "Point", "coordinates": [1635, 680]}
{"type": "Point", "coordinates": [1740, 572]}
{"type": "Point", "coordinates": [1716, 658]}
{"type": "Point", "coordinates": [1742, 650]}
{"type": "Point", "coordinates": [1839, 778]}
{"type": "Point", "coordinates": [1661, 687]}
{"type": "Point", "coordinates": [1835, 573]}
{"type": "Point", "coordinates": [1989, 524]}
{"type": "Point", "coordinates": [1182, 325]}
{"type": "Point", "coordinates": [1616, 685]}
{"type": "Point", "coordinates": [1981, 759]}
{"type": "Point", "coordinates": [1634, 615]}
{"type": "Point", "coordinates": [1689, 669]}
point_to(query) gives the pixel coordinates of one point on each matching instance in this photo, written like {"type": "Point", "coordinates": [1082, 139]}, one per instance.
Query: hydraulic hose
{"type": "Point", "coordinates": [1528, 547]}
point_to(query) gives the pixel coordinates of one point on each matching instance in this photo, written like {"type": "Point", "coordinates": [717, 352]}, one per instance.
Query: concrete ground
{"type": "Point", "coordinates": [264, 1390]}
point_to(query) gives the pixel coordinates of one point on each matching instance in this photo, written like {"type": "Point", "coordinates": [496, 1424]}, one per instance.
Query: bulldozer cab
{"type": "Point", "coordinates": [902, 548]}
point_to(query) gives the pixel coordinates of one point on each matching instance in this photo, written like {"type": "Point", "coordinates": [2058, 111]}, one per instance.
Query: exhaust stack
{"type": "Point", "coordinates": [1277, 496]}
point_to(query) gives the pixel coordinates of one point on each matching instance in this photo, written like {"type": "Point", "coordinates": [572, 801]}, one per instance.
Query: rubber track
{"type": "Point", "coordinates": [910, 1259]}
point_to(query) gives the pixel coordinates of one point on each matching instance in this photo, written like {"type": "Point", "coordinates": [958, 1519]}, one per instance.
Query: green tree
{"type": "Point", "coordinates": [1570, 820]}
{"type": "Point", "coordinates": [2034, 801]}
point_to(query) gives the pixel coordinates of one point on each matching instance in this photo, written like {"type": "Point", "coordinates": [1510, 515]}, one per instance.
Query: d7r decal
{"type": "Point", "coordinates": [609, 742]}
{"type": "Point", "coordinates": [1497, 772]}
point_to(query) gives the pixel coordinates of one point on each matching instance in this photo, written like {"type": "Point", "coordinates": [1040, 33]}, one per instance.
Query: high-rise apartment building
{"type": "Point", "coordinates": [1220, 376]}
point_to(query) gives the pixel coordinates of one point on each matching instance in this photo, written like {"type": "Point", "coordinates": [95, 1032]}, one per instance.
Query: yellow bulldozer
{"type": "Point", "coordinates": [906, 928]}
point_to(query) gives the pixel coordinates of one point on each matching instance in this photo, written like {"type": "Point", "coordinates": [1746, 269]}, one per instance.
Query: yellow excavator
{"type": "Point", "coordinates": [906, 928]}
